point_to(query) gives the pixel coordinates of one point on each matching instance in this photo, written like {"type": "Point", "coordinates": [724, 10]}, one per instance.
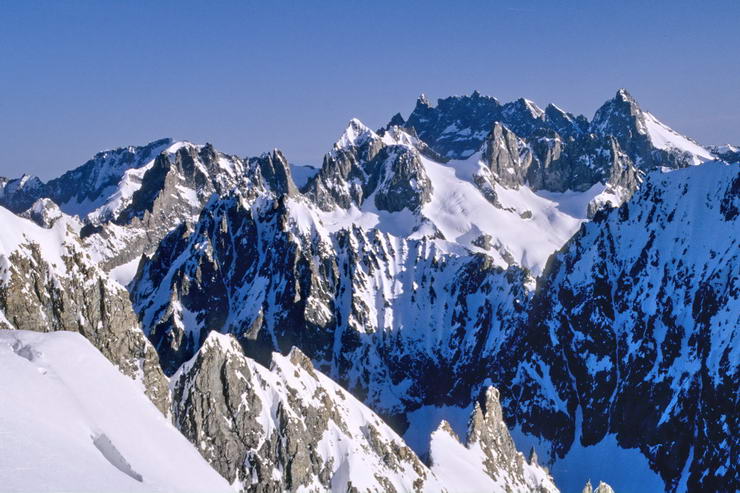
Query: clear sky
{"type": "Point", "coordinates": [77, 77]}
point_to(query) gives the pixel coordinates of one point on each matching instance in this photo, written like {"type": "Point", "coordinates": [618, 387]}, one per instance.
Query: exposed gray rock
{"type": "Point", "coordinates": [487, 429]}
{"type": "Point", "coordinates": [287, 428]}
{"type": "Point", "coordinates": [622, 118]}
{"type": "Point", "coordinates": [400, 181]}
{"type": "Point", "coordinates": [488, 456]}
{"type": "Point", "coordinates": [502, 152]}
{"type": "Point", "coordinates": [456, 127]}
{"type": "Point", "coordinates": [601, 488]}
{"type": "Point", "coordinates": [362, 165]}
{"type": "Point", "coordinates": [36, 296]}
{"type": "Point", "coordinates": [173, 190]}
{"type": "Point", "coordinates": [564, 123]}
{"type": "Point", "coordinates": [275, 170]}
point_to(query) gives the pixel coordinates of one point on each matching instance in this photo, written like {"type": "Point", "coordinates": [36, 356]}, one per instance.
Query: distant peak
{"type": "Point", "coordinates": [27, 182]}
{"type": "Point", "coordinates": [356, 134]}
{"type": "Point", "coordinates": [274, 154]}
{"type": "Point", "coordinates": [624, 95]}
{"type": "Point", "coordinates": [423, 101]}
{"type": "Point", "coordinates": [355, 122]}
{"type": "Point", "coordinates": [153, 146]}
{"type": "Point", "coordinates": [530, 106]}
{"type": "Point", "coordinates": [165, 141]}
{"type": "Point", "coordinates": [177, 145]}
{"type": "Point", "coordinates": [555, 108]}
{"type": "Point", "coordinates": [396, 121]}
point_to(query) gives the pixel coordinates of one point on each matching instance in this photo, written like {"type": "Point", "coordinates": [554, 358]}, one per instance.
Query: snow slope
{"type": "Point", "coordinates": [71, 422]}
{"type": "Point", "coordinates": [462, 213]}
{"type": "Point", "coordinates": [664, 137]}
{"type": "Point", "coordinates": [525, 228]}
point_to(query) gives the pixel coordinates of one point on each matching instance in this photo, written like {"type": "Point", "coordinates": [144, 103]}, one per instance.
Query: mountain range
{"type": "Point", "coordinates": [473, 281]}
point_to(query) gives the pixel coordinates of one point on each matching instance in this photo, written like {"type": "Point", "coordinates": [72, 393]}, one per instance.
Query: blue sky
{"type": "Point", "coordinates": [80, 76]}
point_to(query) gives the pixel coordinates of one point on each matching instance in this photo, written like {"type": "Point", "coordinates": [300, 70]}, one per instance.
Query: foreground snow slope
{"type": "Point", "coordinates": [48, 283]}
{"type": "Point", "coordinates": [71, 422]}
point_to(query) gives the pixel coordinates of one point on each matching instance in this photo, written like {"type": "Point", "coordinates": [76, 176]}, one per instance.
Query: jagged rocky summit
{"type": "Point", "coordinates": [573, 265]}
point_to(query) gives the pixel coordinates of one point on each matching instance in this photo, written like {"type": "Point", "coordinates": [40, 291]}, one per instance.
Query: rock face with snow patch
{"type": "Point", "coordinates": [647, 141]}
{"type": "Point", "coordinates": [287, 428]}
{"type": "Point", "coordinates": [43, 212]}
{"type": "Point", "coordinates": [601, 488]}
{"type": "Point", "coordinates": [488, 461]}
{"type": "Point", "coordinates": [635, 323]}
{"type": "Point", "coordinates": [48, 283]}
{"type": "Point", "coordinates": [173, 190]}
{"type": "Point", "coordinates": [364, 165]}
{"type": "Point", "coordinates": [556, 151]}
{"type": "Point", "coordinates": [361, 303]}
{"type": "Point", "coordinates": [84, 189]}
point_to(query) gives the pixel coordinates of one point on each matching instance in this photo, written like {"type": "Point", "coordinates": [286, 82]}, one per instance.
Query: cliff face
{"type": "Point", "coordinates": [49, 283]}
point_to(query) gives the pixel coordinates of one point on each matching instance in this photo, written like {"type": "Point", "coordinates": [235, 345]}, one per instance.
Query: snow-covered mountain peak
{"type": "Point", "coordinates": [26, 238]}
{"type": "Point", "coordinates": [25, 182]}
{"type": "Point", "coordinates": [624, 95]}
{"type": "Point", "coordinates": [423, 101]}
{"type": "Point", "coordinates": [530, 106]}
{"type": "Point", "coordinates": [175, 146]}
{"type": "Point", "coordinates": [155, 145]}
{"type": "Point", "coordinates": [727, 152]}
{"type": "Point", "coordinates": [355, 135]}
{"type": "Point", "coordinates": [649, 143]}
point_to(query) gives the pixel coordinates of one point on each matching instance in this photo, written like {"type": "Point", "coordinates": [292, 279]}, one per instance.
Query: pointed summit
{"type": "Point", "coordinates": [396, 121]}
{"type": "Point", "coordinates": [588, 488]}
{"type": "Point", "coordinates": [624, 95]}
{"type": "Point", "coordinates": [276, 172]}
{"type": "Point", "coordinates": [423, 101]}
{"type": "Point", "coordinates": [523, 116]}
{"type": "Point", "coordinates": [620, 116]}
{"type": "Point", "coordinates": [564, 123]}
{"type": "Point", "coordinates": [533, 459]}
{"type": "Point", "coordinates": [535, 110]}
{"type": "Point", "coordinates": [640, 135]}
{"type": "Point", "coordinates": [356, 134]}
